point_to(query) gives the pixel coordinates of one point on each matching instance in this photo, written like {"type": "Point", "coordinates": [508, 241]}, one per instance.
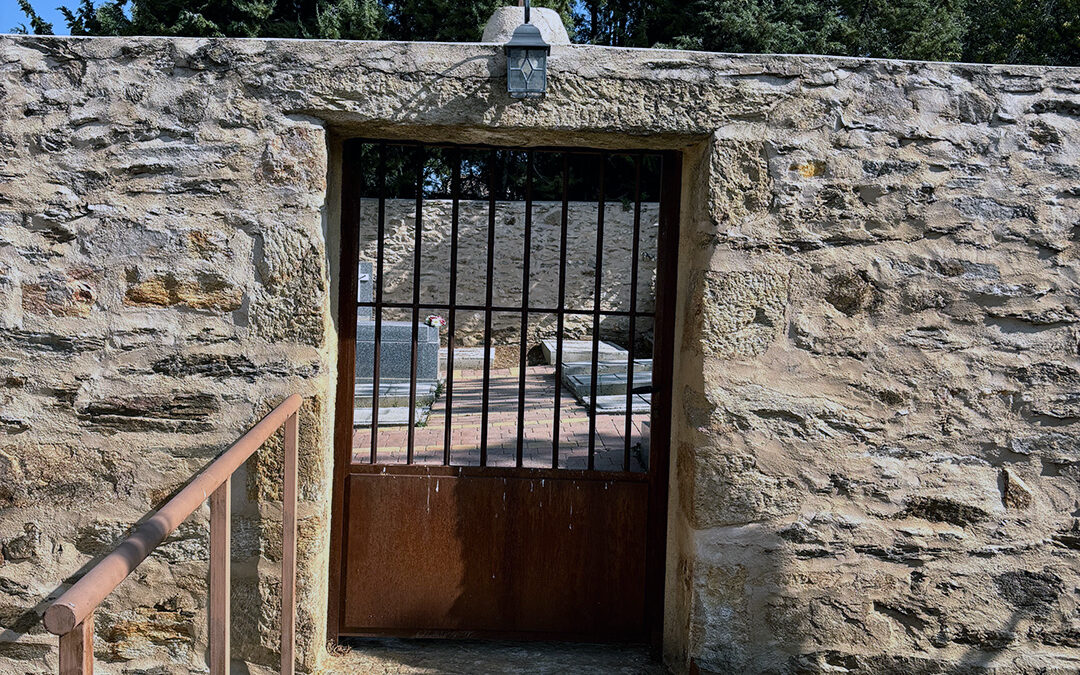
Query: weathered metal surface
{"type": "Point", "coordinates": [486, 555]}
{"type": "Point", "coordinates": [483, 551]}
{"type": "Point", "coordinates": [288, 545]}
{"type": "Point", "coordinates": [77, 649]}
{"type": "Point", "coordinates": [219, 604]}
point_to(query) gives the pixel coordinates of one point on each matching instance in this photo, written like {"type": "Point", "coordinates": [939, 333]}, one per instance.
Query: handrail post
{"type": "Point", "coordinates": [220, 571]}
{"type": "Point", "coordinates": [77, 649]}
{"type": "Point", "coordinates": [71, 616]}
{"type": "Point", "coordinates": [288, 547]}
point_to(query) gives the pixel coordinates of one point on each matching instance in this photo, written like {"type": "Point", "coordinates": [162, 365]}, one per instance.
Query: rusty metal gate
{"type": "Point", "coordinates": [503, 418]}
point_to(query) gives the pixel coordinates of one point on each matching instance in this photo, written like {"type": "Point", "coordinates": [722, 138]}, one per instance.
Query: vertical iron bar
{"type": "Point", "coordinates": [633, 314]}
{"type": "Point", "coordinates": [561, 308]}
{"type": "Point", "coordinates": [487, 311]}
{"type": "Point", "coordinates": [524, 347]}
{"type": "Point", "coordinates": [220, 571]}
{"type": "Point", "coordinates": [417, 239]}
{"type": "Point", "coordinates": [455, 196]}
{"type": "Point", "coordinates": [291, 435]}
{"type": "Point", "coordinates": [667, 261]}
{"type": "Point", "coordinates": [353, 158]}
{"type": "Point", "coordinates": [381, 244]}
{"type": "Point", "coordinates": [597, 288]}
{"type": "Point", "coordinates": [77, 649]}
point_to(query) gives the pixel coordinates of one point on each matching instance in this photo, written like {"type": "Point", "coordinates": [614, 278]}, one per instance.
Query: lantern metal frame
{"type": "Point", "coordinates": [526, 57]}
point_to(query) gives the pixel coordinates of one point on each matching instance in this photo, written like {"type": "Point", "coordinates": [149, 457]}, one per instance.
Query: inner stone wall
{"type": "Point", "coordinates": [874, 459]}
{"type": "Point", "coordinates": [508, 263]}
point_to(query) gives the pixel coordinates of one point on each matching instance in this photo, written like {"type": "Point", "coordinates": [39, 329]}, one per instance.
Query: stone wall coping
{"type": "Point", "coordinates": [701, 57]}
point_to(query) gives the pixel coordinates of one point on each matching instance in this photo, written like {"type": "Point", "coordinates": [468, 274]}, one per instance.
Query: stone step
{"type": "Point", "coordinates": [394, 416]}
{"type": "Point", "coordinates": [607, 384]}
{"type": "Point", "coordinates": [585, 367]}
{"type": "Point", "coordinates": [616, 405]}
{"type": "Point", "coordinates": [581, 350]}
{"type": "Point", "coordinates": [394, 394]}
{"type": "Point", "coordinates": [466, 358]}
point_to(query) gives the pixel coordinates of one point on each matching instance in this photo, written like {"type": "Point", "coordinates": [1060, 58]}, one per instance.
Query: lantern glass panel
{"type": "Point", "coordinates": [526, 72]}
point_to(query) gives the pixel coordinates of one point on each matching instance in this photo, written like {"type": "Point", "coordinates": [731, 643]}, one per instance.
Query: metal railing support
{"type": "Point", "coordinates": [288, 548]}
{"type": "Point", "coordinates": [77, 649]}
{"type": "Point", "coordinates": [220, 575]}
{"type": "Point", "coordinates": [71, 616]}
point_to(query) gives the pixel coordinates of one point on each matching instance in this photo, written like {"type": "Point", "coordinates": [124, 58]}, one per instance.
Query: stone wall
{"type": "Point", "coordinates": [508, 263]}
{"type": "Point", "coordinates": [164, 285]}
{"type": "Point", "coordinates": [875, 461]}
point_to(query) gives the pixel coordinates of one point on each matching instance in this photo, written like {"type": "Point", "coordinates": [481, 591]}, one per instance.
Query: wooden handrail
{"type": "Point", "coordinates": [71, 616]}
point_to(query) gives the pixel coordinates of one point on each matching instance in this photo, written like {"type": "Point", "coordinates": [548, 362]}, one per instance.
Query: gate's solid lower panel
{"type": "Point", "coordinates": [478, 555]}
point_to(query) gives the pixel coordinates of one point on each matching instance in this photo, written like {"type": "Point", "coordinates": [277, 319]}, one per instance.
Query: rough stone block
{"type": "Point", "coordinates": [1015, 493]}
{"type": "Point", "coordinates": [186, 413]}
{"type": "Point", "coordinates": [204, 291]}
{"type": "Point", "coordinates": [739, 313]}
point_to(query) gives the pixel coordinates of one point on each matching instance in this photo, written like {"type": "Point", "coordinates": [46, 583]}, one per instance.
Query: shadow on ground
{"type": "Point", "coordinates": [476, 657]}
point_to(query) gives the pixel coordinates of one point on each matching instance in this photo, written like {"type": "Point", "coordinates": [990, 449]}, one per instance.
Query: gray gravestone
{"type": "Point", "coordinates": [395, 358]}
{"type": "Point", "coordinates": [365, 290]}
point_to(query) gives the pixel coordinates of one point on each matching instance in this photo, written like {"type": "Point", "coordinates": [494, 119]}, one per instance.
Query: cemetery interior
{"type": "Point", "coordinates": [486, 387]}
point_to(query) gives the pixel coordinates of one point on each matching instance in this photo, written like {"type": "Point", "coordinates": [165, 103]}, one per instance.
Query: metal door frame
{"type": "Point", "coordinates": [663, 360]}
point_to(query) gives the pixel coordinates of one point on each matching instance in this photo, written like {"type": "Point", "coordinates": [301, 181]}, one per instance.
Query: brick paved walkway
{"type": "Point", "coordinates": [503, 427]}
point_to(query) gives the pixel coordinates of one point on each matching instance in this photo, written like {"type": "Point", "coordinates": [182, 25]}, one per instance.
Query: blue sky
{"type": "Point", "coordinates": [11, 16]}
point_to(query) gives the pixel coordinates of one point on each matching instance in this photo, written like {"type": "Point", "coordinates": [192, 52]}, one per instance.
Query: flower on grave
{"type": "Point", "coordinates": [435, 320]}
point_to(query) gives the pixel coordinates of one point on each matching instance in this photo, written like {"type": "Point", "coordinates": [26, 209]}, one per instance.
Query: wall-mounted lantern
{"type": "Point", "coordinates": [526, 61]}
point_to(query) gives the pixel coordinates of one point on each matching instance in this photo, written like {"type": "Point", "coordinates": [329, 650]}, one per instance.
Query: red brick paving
{"type": "Point", "coordinates": [503, 427]}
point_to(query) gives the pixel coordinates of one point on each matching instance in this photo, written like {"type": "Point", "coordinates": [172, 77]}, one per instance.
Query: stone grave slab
{"type": "Point", "coordinates": [607, 384]}
{"type": "Point", "coordinates": [394, 393]}
{"type": "Point", "coordinates": [365, 290]}
{"type": "Point", "coordinates": [581, 350]}
{"type": "Point", "coordinates": [616, 405]}
{"type": "Point", "coordinates": [467, 358]}
{"type": "Point", "coordinates": [585, 367]}
{"type": "Point", "coordinates": [390, 417]}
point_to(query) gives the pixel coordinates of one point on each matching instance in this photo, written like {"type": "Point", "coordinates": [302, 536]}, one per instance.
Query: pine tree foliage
{"type": "Point", "coordinates": [908, 29]}
{"type": "Point", "coordinates": [38, 26]}
{"type": "Point", "coordinates": [108, 18]}
{"type": "Point", "coordinates": [1024, 31]}
{"type": "Point", "coordinates": [996, 31]}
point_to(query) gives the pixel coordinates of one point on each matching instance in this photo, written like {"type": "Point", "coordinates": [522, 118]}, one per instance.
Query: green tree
{"type": "Point", "coordinates": [106, 19]}
{"type": "Point", "coordinates": [444, 20]}
{"type": "Point", "coordinates": [451, 20]}
{"type": "Point", "coordinates": [998, 31]}
{"type": "Point", "coordinates": [618, 23]}
{"type": "Point", "coordinates": [911, 29]}
{"type": "Point", "coordinates": [331, 19]}
{"type": "Point", "coordinates": [930, 30]}
{"type": "Point", "coordinates": [439, 20]}
{"type": "Point", "coordinates": [38, 26]}
{"type": "Point", "coordinates": [351, 20]}
{"type": "Point", "coordinates": [1024, 31]}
